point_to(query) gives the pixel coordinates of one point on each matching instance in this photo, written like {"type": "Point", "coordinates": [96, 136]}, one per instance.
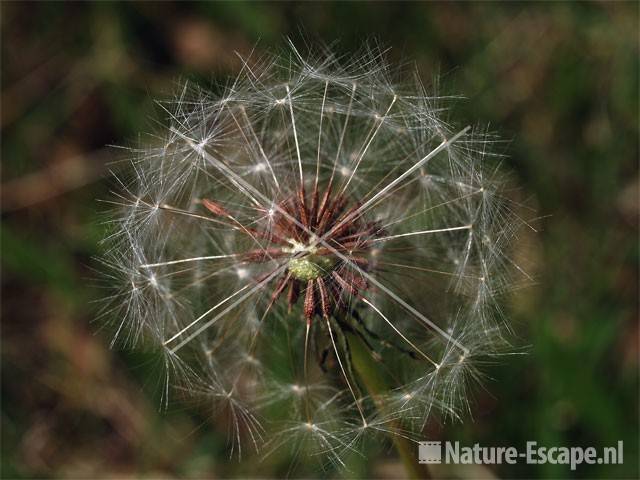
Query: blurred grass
{"type": "Point", "coordinates": [560, 80]}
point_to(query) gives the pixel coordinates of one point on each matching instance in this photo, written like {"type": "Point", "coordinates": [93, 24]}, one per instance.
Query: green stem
{"type": "Point", "coordinates": [369, 374]}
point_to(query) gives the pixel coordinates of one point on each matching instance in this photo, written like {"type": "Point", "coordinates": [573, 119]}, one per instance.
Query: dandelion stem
{"type": "Point", "coordinates": [370, 377]}
{"type": "Point", "coordinates": [344, 373]}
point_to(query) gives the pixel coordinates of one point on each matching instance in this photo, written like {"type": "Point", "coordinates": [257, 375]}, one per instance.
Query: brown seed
{"type": "Point", "coordinates": [344, 283]}
{"type": "Point", "coordinates": [309, 301]}
{"type": "Point", "coordinates": [302, 207]}
{"type": "Point", "coordinates": [280, 286]}
{"type": "Point", "coordinates": [215, 208]}
{"type": "Point", "coordinates": [348, 218]}
{"type": "Point", "coordinates": [314, 206]}
{"type": "Point", "coordinates": [323, 203]}
{"type": "Point", "coordinates": [324, 298]}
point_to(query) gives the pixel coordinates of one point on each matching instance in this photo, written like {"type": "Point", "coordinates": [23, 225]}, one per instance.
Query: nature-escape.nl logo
{"type": "Point", "coordinates": [432, 452]}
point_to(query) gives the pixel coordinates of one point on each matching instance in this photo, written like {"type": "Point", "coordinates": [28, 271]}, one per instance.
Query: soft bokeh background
{"type": "Point", "coordinates": [559, 80]}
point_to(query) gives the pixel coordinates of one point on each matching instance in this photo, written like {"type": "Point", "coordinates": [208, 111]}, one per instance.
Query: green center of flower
{"type": "Point", "coordinates": [310, 267]}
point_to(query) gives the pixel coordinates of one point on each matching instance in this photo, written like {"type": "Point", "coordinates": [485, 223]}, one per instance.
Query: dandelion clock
{"type": "Point", "coordinates": [315, 252]}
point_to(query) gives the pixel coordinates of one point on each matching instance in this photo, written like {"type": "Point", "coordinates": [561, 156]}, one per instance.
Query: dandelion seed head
{"type": "Point", "coordinates": [313, 203]}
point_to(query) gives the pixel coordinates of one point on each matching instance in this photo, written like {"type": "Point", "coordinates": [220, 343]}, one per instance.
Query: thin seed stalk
{"type": "Point", "coordinates": [369, 374]}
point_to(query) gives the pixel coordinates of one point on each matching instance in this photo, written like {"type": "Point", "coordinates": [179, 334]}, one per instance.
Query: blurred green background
{"type": "Point", "coordinates": [558, 80]}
